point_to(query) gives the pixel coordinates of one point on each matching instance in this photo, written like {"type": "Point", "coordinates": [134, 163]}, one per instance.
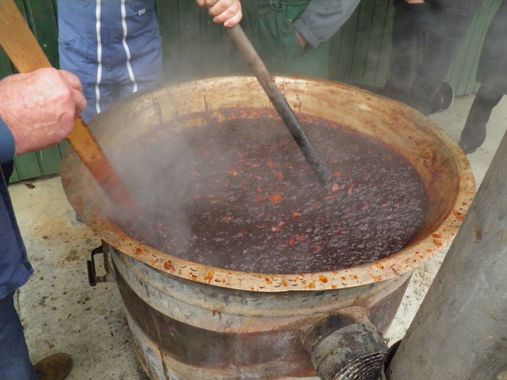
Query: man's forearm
{"type": "Point", "coordinates": [323, 18]}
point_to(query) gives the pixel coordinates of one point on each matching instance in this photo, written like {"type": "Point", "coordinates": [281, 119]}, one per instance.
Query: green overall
{"type": "Point", "coordinates": [269, 25]}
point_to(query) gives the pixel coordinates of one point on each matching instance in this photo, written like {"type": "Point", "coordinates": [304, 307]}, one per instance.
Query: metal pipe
{"type": "Point", "coordinates": [345, 346]}
{"type": "Point", "coordinates": [460, 331]}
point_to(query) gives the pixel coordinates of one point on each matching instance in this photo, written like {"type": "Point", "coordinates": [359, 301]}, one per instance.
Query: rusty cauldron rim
{"type": "Point", "coordinates": [395, 265]}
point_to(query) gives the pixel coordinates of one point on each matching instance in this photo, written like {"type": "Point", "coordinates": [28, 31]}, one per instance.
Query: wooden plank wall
{"type": "Point", "coordinates": [196, 48]}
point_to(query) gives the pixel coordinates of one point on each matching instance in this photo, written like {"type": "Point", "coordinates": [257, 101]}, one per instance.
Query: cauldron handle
{"type": "Point", "coordinates": [283, 108]}
{"type": "Point", "coordinates": [346, 346]}
{"type": "Point", "coordinates": [93, 279]}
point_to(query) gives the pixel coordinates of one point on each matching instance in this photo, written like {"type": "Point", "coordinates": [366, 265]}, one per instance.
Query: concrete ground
{"type": "Point", "coordinates": [61, 312]}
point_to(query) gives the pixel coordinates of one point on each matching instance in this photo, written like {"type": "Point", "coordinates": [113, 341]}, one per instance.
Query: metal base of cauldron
{"type": "Point", "coordinates": [187, 330]}
{"type": "Point", "coordinates": [159, 365]}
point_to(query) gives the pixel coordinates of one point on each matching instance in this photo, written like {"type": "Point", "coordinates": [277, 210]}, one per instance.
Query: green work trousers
{"type": "Point", "coordinates": [270, 26]}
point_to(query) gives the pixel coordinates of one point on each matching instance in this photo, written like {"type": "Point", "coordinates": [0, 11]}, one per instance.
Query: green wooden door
{"type": "Point", "coordinates": [196, 48]}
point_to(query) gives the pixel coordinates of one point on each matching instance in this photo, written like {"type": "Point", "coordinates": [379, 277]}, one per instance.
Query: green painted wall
{"type": "Point", "coordinates": [361, 53]}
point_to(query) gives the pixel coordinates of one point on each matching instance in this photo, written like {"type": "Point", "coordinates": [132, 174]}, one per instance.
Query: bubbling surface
{"type": "Point", "coordinates": [239, 195]}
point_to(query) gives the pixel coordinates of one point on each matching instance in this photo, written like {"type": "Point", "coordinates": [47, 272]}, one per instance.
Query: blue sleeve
{"type": "Point", "coordinates": [323, 18]}
{"type": "Point", "coordinates": [7, 145]}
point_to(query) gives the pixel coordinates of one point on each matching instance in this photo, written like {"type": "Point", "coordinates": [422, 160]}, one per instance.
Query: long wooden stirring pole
{"type": "Point", "coordinates": [283, 108]}
{"type": "Point", "coordinates": [25, 52]}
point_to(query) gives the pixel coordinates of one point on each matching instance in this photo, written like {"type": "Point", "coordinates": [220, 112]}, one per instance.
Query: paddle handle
{"type": "Point", "coordinates": [283, 108]}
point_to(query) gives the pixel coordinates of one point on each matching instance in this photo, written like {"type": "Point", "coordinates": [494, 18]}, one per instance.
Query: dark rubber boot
{"type": "Point", "coordinates": [443, 99]}
{"type": "Point", "coordinates": [54, 367]}
{"type": "Point", "coordinates": [472, 138]}
{"type": "Point", "coordinates": [474, 133]}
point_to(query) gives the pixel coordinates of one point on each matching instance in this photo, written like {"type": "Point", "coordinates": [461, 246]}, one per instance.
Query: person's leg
{"type": "Point", "coordinates": [7, 169]}
{"type": "Point", "coordinates": [445, 34]}
{"type": "Point", "coordinates": [14, 358]}
{"type": "Point", "coordinates": [407, 44]}
{"type": "Point", "coordinates": [474, 133]}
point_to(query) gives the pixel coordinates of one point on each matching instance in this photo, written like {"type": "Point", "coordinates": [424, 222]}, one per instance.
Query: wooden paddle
{"type": "Point", "coordinates": [25, 52]}
{"type": "Point", "coordinates": [283, 108]}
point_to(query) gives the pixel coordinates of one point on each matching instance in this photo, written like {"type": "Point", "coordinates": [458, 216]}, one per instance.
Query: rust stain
{"type": "Point", "coordinates": [168, 265]}
{"type": "Point", "coordinates": [459, 215]}
{"type": "Point", "coordinates": [216, 312]}
{"type": "Point", "coordinates": [437, 236]}
{"type": "Point", "coordinates": [284, 283]}
{"type": "Point", "coordinates": [334, 287]}
{"type": "Point", "coordinates": [268, 280]}
{"type": "Point", "coordinates": [311, 285]}
{"type": "Point", "coordinates": [209, 276]}
{"type": "Point", "coordinates": [438, 243]}
{"type": "Point", "coordinates": [323, 279]}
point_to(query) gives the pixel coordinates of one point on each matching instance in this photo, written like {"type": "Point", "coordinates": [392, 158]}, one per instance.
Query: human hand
{"type": "Point", "coordinates": [227, 12]}
{"type": "Point", "coordinates": [40, 107]}
{"type": "Point", "coordinates": [301, 39]}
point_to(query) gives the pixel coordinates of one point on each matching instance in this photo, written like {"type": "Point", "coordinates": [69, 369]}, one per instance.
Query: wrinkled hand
{"type": "Point", "coordinates": [40, 107]}
{"type": "Point", "coordinates": [227, 12]}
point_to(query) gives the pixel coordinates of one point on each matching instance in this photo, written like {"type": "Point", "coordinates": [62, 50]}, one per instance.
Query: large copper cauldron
{"type": "Point", "coordinates": [191, 321]}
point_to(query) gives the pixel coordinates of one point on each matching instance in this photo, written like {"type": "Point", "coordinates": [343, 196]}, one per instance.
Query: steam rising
{"type": "Point", "coordinates": [168, 194]}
